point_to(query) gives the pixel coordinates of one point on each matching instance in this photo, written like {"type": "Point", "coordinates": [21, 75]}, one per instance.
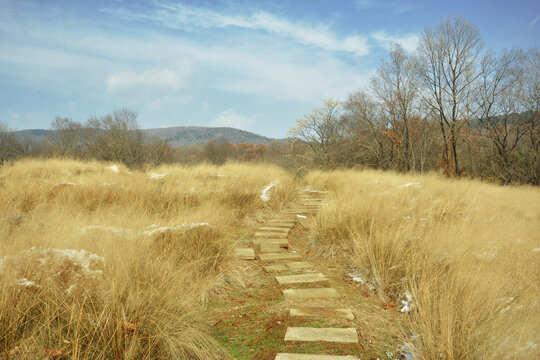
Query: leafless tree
{"type": "Point", "coordinates": [395, 88]}
{"type": "Point", "coordinates": [10, 146]}
{"type": "Point", "coordinates": [66, 137]}
{"type": "Point", "coordinates": [446, 64]}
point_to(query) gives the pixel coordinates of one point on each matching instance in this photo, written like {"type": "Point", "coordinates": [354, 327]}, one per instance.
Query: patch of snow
{"type": "Point", "coordinates": [113, 229]}
{"type": "Point", "coordinates": [114, 168]}
{"type": "Point", "coordinates": [358, 277]}
{"type": "Point", "coordinates": [302, 216]}
{"type": "Point", "coordinates": [416, 185]}
{"type": "Point", "coordinates": [66, 183]}
{"type": "Point", "coordinates": [384, 193]}
{"type": "Point", "coordinates": [26, 283]}
{"type": "Point", "coordinates": [265, 194]}
{"type": "Point", "coordinates": [157, 176]}
{"type": "Point", "coordinates": [69, 290]}
{"type": "Point", "coordinates": [153, 229]}
{"type": "Point", "coordinates": [407, 303]}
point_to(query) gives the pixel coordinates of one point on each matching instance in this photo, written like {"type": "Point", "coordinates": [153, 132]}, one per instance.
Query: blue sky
{"type": "Point", "coordinates": [254, 65]}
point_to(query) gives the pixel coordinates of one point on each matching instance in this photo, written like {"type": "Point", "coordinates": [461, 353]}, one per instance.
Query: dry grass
{"type": "Point", "coordinates": [122, 291]}
{"type": "Point", "coordinates": [466, 251]}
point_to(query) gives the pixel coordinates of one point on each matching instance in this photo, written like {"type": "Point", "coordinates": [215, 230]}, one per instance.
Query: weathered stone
{"type": "Point", "coordinates": [274, 229]}
{"type": "Point", "coordinates": [299, 279]}
{"type": "Point", "coordinates": [287, 356]}
{"type": "Point", "coordinates": [291, 294]}
{"type": "Point", "coordinates": [280, 224]}
{"type": "Point", "coordinates": [270, 248]}
{"type": "Point", "coordinates": [245, 253]}
{"type": "Point", "coordinates": [272, 235]}
{"type": "Point", "coordinates": [276, 268]}
{"type": "Point", "coordinates": [281, 242]}
{"type": "Point", "coordinates": [278, 257]}
{"type": "Point", "coordinates": [323, 312]}
{"type": "Point", "coordinates": [338, 335]}
{"type": "Point", "coordinates": [299, 265]}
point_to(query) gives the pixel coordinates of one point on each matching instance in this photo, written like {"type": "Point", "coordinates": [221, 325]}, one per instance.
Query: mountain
{"type": "Point", "coordinates": [176, 136]}
{"type": "Point", "coordinates": [198, 135]}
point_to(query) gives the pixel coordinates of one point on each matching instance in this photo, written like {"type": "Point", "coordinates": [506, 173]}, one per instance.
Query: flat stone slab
{"type": "Point", "coordinates": [281, 242]}
{"type": "Point", "coordinates": [270, 248]}
{"type": "Point", "coordinates": [288, 356]}
{"type": "Point", "coordinates": [299, 279]}
{"type": "Point", "coordinates": [274, 229]}
{"type": "Point", "coordinates": [245, 253]}
{"type": "Point", "coordinates": [323, 312]}
{"type": "Point", "coordinates": [347, 335]}
{"type": "Point", "coordinates": [272, 235]}
{"type": "Point", "coordinates": [280, 224]}
{"type": "Point", "coordinates": [279, 257]}
{"type": "Point", "coordinates": [299, 265]}
{"type": "Point", "coordinates": [276, 268]}
{"type": "Point", "coordinates": [291, 294]}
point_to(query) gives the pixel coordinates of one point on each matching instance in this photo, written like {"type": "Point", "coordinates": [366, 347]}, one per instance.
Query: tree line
{"type": "Point", "coordinates": [449, 105]}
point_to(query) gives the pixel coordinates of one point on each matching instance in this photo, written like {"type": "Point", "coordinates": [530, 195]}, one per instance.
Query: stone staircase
{"type": "Point", "coordinates": [302, 285]}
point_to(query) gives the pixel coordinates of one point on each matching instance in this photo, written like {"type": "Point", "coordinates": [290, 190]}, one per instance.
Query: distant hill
{"type": "Point", "coordinates": [177, 136]}
{"type": "Point", "coordinates": [198, 135]}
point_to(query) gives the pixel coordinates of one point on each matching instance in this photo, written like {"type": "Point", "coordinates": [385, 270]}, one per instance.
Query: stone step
{"type": "Point", "coordinates": [244, 253]}
{"type": "Point", "coordinates": [276, 268]}
{"type": "Point", "coordinates": [270, 248]}
{"type": "Point", "coordinates": [280, 224]}
{"type": "Point", "coordinates": [291, 294]}
{"type": "Point", "coordinates": [279, 257]}
{"type": "Point", "coordinates": [289, 356]}
{"type": "Point", "coordinates": [262, 241]}
{"type": "Point", "coordinates": [299, 279]}
{"type": "Point", "coordinates": [322, 312]}
{"type": "Point", "coordinates": [347, 335]}
{"type": "Point", "coordinates": [299, 265]}
{"type": "Point", "coordinates": [271, 235]}
{"type": "Point", "coordinates": [274, 229]}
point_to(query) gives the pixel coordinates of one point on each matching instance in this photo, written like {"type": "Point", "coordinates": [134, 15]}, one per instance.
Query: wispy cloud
{"type": "Point", "coordinates": [397, 7]}
{"type": "Point", "coordinates": [230, 118]}
{"type": "Point", "coordinates": [179, 16]}
{"type": "Point", "coordinates": [534, 21]}
{"type": "Point", "coordinates": [155, 81]}
{"type": "Point", "coordinates": [408, 42]}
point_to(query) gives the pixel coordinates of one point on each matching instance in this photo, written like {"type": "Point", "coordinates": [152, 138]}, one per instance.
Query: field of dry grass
{"type": "Point", "coordinates": [99, 263]}
{"type": "Point", "coordinates": [459, 258]}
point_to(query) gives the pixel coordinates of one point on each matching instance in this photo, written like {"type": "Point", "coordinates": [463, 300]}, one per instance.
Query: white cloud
{"type": "Point", "coordinates": [230, 118]}
{"type": "Point", "coordinates": [156, 80]}
{"type": "Point", "coordinates": [364, 4]}
{"type": "Point", "coordinates": [179, 16]}
{"type": "Point", "coordinates": [534, 21]}
{"type": "Point", "coordinates": [408, 42]}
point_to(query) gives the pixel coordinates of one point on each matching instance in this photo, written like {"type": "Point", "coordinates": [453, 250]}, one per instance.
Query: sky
{"type": "Point", "coordinates": [253, 65]}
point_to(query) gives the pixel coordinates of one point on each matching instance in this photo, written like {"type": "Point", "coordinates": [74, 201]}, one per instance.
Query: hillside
{"type": "Point", "coordinates": [178, 135]}
{"type": "Point", "coordinates": [198, 135]}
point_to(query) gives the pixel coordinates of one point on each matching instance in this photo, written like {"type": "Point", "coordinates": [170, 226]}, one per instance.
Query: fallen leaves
{"type": "Point", "coordinates": [53, 352]}
{"type": "Point", "coordinates": [128, 326]}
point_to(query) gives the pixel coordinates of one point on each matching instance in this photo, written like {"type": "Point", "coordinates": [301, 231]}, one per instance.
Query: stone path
{"type": "Point", "coordinates": [304, 284]}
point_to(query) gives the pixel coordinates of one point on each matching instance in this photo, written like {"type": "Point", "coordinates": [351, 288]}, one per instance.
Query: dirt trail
{"type": "Point", "coordinates": [294, 308]}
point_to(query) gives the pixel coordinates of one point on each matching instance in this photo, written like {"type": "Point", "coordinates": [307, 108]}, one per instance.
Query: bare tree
{"type": "Point", "coordinates": [10, 146]}
{"type": "Point", "coordinates": [498, 107]}
{"type": "Point", "coordinates": [66, 137]}
{"type": "Point", "coordinates": [529, 99]}
{"type": "Point", "coordinates": [116, 137]}
{"type": "Point", "coordinates": [364, 132]}
{"type": "Point", "coordinates": [446, 64]}
{"type": "Point", "coordinates": [320, 130]}
{"type": "Point", "coordinates": [395, 88]}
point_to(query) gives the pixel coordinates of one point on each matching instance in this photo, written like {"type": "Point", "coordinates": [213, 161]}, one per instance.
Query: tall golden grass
{"type": "Point", "coordinates": [84, 273]}
{"type": "Point", "coordinates": [466, 252]}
